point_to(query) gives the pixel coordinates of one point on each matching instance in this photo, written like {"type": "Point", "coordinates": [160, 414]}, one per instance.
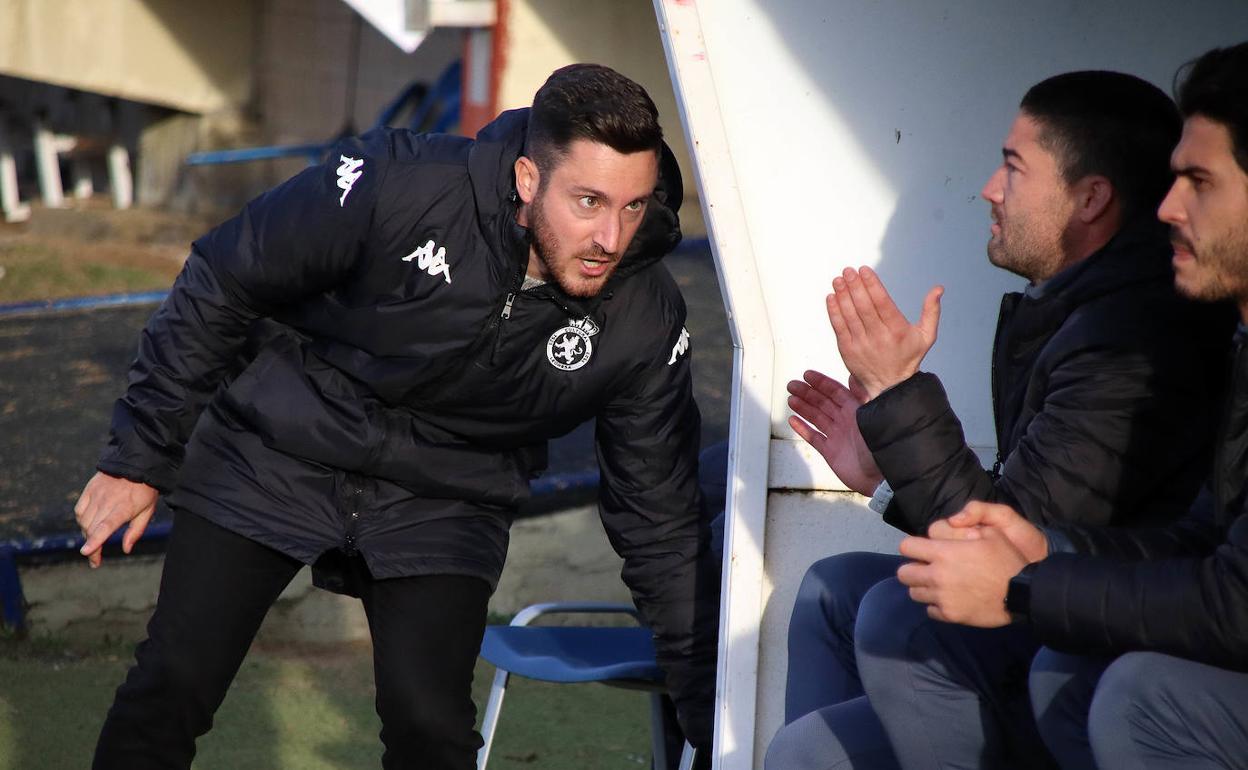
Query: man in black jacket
{"type": "Point", "coordinates": [447, 306]}
{"type": "Point", "coordinates": [1152, 624]}
{"type": "Point", "coordinates": [1099, 394]}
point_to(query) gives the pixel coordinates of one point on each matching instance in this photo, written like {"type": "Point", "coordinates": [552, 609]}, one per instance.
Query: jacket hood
{"type": "Point", "coordinates": [491, 166]}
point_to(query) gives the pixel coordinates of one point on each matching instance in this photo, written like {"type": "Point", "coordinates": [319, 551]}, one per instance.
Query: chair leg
{"type": "Point", "coordinates": [489, 723]}
{"type": "Point", "coordinates": [687, 756]}
{"type": "Point", "coordinates": [658, 732]}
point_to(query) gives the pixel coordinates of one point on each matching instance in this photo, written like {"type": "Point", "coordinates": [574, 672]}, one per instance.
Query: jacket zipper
{"type": "Point", "coordinates": [998, 343]}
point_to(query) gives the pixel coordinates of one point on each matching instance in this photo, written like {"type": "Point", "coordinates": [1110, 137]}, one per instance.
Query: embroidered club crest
{"type": "Point", "coordinates": [570, 347]}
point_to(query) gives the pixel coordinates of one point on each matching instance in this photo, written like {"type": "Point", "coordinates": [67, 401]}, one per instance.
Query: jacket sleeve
{"type": "Point", "coordinates": [1112, 421]}
{"type": "Point", "coordinates": [296, 240]}
{"type": "Point", "coordinates": [1186, 594]}
{"type": "Point", "coordinates": [647, 443]}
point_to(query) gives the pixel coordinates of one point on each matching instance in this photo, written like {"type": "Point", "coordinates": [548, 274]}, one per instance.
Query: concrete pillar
{"type": "Point", "coordinates": [11, 206]}
{"type": "Point", "coordinates": [48, 166]}
{"type": "Point", "coordinates": [120, 180]}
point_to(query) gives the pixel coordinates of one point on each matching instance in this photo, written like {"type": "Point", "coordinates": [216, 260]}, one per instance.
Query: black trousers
{"type": "Point", "coordinates": [215, 591]}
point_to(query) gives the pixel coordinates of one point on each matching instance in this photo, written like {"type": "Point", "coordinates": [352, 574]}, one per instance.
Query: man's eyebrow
{"type": "Point", "coordinates": [581, 190]}
{"type": "Point", "coordinates": [1189, 171]}
{"type": "Point", "coordinates": [1009, 153]}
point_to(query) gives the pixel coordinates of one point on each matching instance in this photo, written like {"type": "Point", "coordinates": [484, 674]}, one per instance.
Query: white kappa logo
{"type": "Point", "coordinates": [681, 346]}
{"type": "Point", "coordinates": [569, 348]}
{"type": "Point", "coordinates": [432, 263]}
{"type": "Point", "coordinates": [348, 171]}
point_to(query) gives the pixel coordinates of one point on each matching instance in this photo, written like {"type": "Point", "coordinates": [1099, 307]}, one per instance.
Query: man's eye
{"type": "Point", "coordinates": [588, 201]}
{"type": "Point", "coordinates": [635, 205]}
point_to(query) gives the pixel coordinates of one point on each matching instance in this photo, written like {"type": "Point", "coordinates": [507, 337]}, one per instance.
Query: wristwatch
{"type": "Point", "coordinates": [1018, 594]}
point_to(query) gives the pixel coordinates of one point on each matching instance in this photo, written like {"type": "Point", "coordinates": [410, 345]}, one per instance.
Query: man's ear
{"type": "Point", "coordinates": [527, 179]}
{"type": "Point", "coordinates": [1095, 198]}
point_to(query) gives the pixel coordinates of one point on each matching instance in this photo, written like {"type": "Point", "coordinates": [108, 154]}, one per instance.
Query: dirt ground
{"type": "Point", "coordinates": [60, 371]}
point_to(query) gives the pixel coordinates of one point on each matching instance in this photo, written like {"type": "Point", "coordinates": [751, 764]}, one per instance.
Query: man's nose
{"type": "Point", "coordinates": [992, 189]}
{"type": "Point", "coordinates": [1170, 211]}
{"type": "Point", "coordinates": [608, 235]}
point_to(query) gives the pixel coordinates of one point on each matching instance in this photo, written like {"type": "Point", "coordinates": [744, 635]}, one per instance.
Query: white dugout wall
{"type": "Point", "coordinates": [828, 133]}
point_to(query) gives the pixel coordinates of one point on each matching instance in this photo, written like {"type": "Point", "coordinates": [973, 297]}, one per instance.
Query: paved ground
{"type": "Point", "coordinates": [60, 372]}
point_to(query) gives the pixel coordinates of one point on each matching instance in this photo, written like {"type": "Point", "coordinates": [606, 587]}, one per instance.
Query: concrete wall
{"type": "Point", "coordinates": [190, 56]}
{"type": "Point", "coordinates": [543, 35]}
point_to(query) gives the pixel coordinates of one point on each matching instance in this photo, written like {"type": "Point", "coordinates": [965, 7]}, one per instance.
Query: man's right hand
{"type": "Point", "coordinates": [830, 408]}
{"type": "Point", "coordinates": [970, 523]}
{"type": "Point", "coordinates": [108, 502]}
{"type": "Point", "coordinates": [878, 345]}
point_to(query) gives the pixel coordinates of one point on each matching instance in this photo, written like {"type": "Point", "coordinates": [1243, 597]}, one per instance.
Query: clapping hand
{"type": "Point", "coordinates": [878, 345]}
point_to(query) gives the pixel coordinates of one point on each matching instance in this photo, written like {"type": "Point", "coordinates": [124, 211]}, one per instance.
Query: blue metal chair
{"type": "Point", "coordinates": [619, 657]}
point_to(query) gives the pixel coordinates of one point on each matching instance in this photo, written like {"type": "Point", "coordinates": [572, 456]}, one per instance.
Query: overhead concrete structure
{"type": "Point", "coordinates": [195, 57]}
{"type": "Point", "coordinates": [846, 133]}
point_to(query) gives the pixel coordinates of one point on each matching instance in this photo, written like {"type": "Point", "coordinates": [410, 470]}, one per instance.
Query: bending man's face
{"type": "Point", "coordinates": [1207, 210]}
{"type": "Point", "coordinates": [584, 212]}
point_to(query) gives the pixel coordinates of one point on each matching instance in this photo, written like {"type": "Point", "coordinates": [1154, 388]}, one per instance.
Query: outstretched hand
{"type": "Point", "coordinates": [826, 420]}
{"type": "Point", "coordinates": [107, 503]}
{"type": "Point", "coordinates": [878, 345]}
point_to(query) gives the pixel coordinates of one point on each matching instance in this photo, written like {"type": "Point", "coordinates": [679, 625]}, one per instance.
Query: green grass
{"type": "Point", "coordinates": [307, 710]}
{"type": "Point", "coordinates": [44, 270]}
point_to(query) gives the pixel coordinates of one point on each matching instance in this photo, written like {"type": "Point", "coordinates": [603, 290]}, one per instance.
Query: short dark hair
{"type": "Point", "coordinates": [1112, 124]}
{"type": "Point", "coordinates": [1216, 87]}
{"type": "Point", "coordinates": [590, 101]}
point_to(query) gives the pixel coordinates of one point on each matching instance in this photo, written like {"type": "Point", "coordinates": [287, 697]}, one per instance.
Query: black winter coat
{"type": "Point", "coordinates": [1104, 385]}
{"type": "Point", "coordinates": [1180, 590]}
{"type": "Point", "coordinates": [406, 407]}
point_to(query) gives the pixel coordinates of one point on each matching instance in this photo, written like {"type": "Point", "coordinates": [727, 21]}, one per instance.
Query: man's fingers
{"type": "Point", "coordinates": [861, 300]}
{"type": "Point", "coordinates": [978, 513]}
{"type": "Point", "coordinates": [137, 526]}
{"type": "Point", "coordinates": [830, 388]}
{"type": "Point", "coordinates": [810, 414]}
{"type": "Point", "coordinates": [854, 330]}
{"type": "Point", "coordinates": [921, 548]}
{"type": "Point", "coordinates": [806, 432]}
{"type": "Point", "coordinates": [883, 303]}
{"type": "Point", "coordinates": [839, 327]}
{"type": "Point", "coordinates": [915, 573]}
{"type": "Point", "coordinates": [929, 319]}
{"type": "Point", "coordinates": [943, 530]}
{"type": "Point", "coordinates": [923, 595]}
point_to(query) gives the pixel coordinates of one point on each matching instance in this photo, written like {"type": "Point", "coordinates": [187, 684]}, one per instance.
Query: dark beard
{"type": "Point", "coordinates": [545, 243]}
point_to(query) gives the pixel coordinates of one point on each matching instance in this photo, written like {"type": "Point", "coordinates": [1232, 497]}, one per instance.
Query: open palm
{"type": "Point", "coordinates": [826, 419]}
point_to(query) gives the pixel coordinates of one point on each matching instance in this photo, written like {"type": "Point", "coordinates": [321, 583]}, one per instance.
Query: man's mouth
{"type": "Point", "coordinates": [593, 268]}
{"type": "Point", "coordinates": [1182, 247]}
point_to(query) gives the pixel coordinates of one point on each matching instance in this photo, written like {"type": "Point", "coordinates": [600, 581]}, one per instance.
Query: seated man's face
{"type": "Point", "coordinates": [584, 213]}
{"type": "Point", "coordinates": [1207, 210]}
{"type": "Point", "coordinates": [1031, 205]}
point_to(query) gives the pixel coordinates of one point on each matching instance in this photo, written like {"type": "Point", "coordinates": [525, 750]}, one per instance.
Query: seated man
{"type": "Point", "coordinates": [1101, 376]}
{"type": "Point", "coordinates": [1161, 614]}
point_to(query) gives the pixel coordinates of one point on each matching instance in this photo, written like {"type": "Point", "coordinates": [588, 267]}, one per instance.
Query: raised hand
{"type": "Point", "coordinates": [826, 420]}
{"type": "Point", "coordinates": [878, 345]}
{"type": "Point", "coordinates": [108, 502]}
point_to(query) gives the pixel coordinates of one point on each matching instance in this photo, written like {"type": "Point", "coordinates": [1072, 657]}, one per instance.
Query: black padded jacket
{"type": "Point", "coordinates": [1180, 589]}
{"type": "Point", "coordinates": [1105, 385]}
{"type": "Point", "coordinates": [404, 408]}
